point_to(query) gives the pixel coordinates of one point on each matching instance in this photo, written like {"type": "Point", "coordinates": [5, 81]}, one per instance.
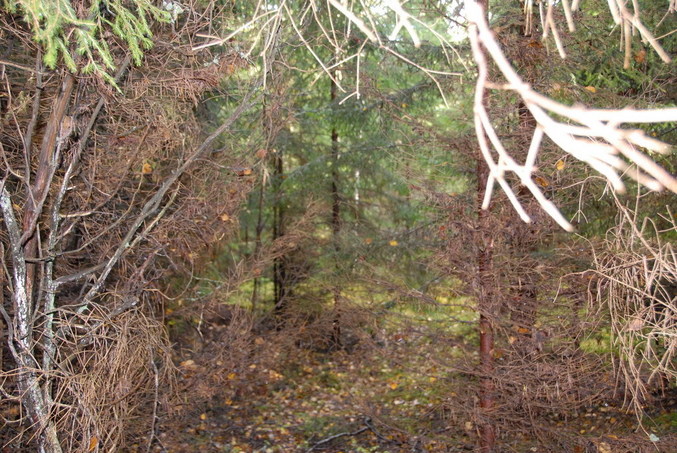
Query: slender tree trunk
{"type": "Point", "coordinates": [257, 244]}
{"type": "Point", "coordinates": [48, 161]}
{"type": "Point", "coordinates": [486, 303]}
{"type": "Point", "coordinates": [24, 252]}
{"type": "Point", "coordinates": [487, 309]}
{"type": "Point", "coordinates": [21, 341]}
{"type": "Point", "coordinates": [335, 221]}
{"type": "Point", "coordinates": [280, 263]}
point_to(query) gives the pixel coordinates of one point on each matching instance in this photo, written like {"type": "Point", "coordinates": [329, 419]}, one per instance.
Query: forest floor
{"type": "Point", "coordinates": [398, 393]}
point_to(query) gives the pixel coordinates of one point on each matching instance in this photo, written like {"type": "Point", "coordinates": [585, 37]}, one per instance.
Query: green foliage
{"type": "Point", "coordinates": [82, 42]}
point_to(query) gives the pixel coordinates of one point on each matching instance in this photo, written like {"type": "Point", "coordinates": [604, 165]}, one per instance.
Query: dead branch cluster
{"type": "Point", "coordinates": [636, 281]}
{"type": "Point", "coordinates": [111, 194]}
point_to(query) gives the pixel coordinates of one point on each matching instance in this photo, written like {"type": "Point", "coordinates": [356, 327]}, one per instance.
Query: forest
{"type": "Point", "coordinates": [342, 226]}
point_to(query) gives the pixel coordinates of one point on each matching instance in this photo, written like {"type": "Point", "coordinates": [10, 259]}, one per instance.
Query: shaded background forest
{"type": "Point", "coordinates": [231, 226]}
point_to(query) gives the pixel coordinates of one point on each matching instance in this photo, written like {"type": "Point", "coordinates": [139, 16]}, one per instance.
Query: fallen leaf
{"type": "Point", "coordinates": [591, 89]}
{"type": "Point", "coordinates": [225, 217]}
{"type": "Point", "coordinates": [541, 181]}
{"type": "Point", "coordinates": [262, 153]}
{"type": "Point", "coordinates": [187, 364]}
{"type": "Point", "coordinates": [203, 416]}
{"type": "Point", "coordinates": [147, 168]}
{"type": "Point", "coordinates": [93, 443]}
{"type": "Point", "coordinates": [259, 341]}
{"type": "Point", "coordinates": [393, 385]}
{"type": "Point", "coordinates": [512, 340]}
{"type": "Point", "coordinates": [603, 447]}
{"type": "Point", "coordinates": [640, 56]}
{"type": "Point", "coordinates": [560, 165]}
{"type": "Point", "coordinates": [393, 243]}
{"type": "Point", "coordinates": [231, 376]}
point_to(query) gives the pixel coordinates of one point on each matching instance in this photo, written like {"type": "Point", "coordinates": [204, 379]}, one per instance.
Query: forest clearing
{"type": "Point", "coordinates": [344, 226]}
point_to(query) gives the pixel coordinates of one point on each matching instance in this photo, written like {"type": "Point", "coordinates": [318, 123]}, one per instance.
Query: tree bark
{"type": "Point", "coordinates": [487, 309]}
{"type": "Point", "coordinates": [485, 302]}
{"type": "Point", "coordinates": [335, 220]}
{"type": "Point", "coordinates": [21, 341]}
{"type": "Point", "coordinates": [280, 262]}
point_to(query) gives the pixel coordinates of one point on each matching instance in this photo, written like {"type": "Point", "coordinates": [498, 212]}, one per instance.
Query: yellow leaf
{"type": "Point", "coordinates": [541, 181]}
{"type": "Point", "coordinates": [93, 443]}
{"type": "Point", "coordinates": [522, 330]}
{"type": "Point", "coordinates": [203, 416]}
{"type": "Point", "coordinates": [225, 217]}
{"type": "Point", "coordinates": [231, 376]}
{"type": "Point", "coordinates": [393, 385]}
{"type": "Point", "coordinates": [393, 243]}
{"type": "Point", "coordinates": [228, 402]}
{"type": "Point", "coordinates": [512, 340]}
{"type": "Point", "coordinates": [368, 241]}
{"type": "Point", "coordinates": [560, 165]}
{"type": "Point", "coordinates": [247, 171]}
{"type": "Point", "coordinates": [432, 379]}
{"type": "Point", "coordinates": [259, 341]}
{"type": "Point", "coordinates": [147, 168]}
{"type": "Point", "coordinates": [591, 89]}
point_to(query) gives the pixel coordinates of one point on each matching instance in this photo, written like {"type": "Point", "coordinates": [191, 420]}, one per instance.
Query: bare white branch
{"type": "Point", "coordinates": [593, 136]}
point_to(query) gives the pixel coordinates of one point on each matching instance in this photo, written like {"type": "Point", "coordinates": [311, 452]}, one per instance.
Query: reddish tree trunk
{"type": "Point", "coordinates": [486, 292]}
{"type": "Point", "coordinates": [486, 308]}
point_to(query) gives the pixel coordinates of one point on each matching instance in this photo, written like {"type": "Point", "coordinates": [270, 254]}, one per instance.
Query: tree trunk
{"type": "Point", "coordinates": [487, 309]}
{"type": "Point", "coordinates": [21, 341]}
{"type": "Point", "coordinates": [335, 222]}
{"type": "Point", "coordinates": [485, 302]}
{"type": "Point", "coordinates": [257, 244]}
{"type": "Point", "coordinates": [279, 263]}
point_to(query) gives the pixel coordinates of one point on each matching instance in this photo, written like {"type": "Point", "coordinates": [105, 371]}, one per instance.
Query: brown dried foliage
{"type": "Point", "coordinates": [110, 354]}
{"type": "Point", "coordinates": [634, 281]}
